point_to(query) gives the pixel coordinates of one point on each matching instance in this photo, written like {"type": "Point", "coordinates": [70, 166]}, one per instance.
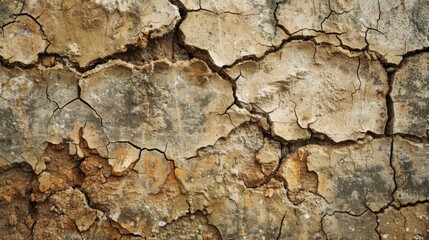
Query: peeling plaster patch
{"type": "Point", "coordinates": [173, 107]}
{"type": "Point", "coordinates": [232, 30]}
{"type": "Point", "coordinates": [24, 31]}
{"type": "Point", "coordinates": [322, 90]}
{"type": "Point", "coordinates": [85, 31]}
{"type": "Point", "coordinates": [120, 5]}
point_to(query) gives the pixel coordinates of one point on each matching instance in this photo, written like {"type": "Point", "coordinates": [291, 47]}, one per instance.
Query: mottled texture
{"type": "Point", "coordinates": [350, 178]}
{"type": "Point", "coordinates": [410, 96]}
{"type": "Point", "coordinates": [411, 222]}
{"type": "Point", "coordinates": [346, 226]}
{"type": "Point", "coordinates": [24, 30]}
{"type": "Point", "coordinates": [209, 120]}
{"type": "Point", "coordinates": [411, 163]}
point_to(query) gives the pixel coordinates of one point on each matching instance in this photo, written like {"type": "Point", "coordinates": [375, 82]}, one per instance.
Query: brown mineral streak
{"type": "Point", "coordinates": [198, 119]}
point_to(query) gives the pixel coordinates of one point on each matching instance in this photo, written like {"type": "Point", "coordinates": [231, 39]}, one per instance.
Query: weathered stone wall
{"type": "Point", "coordinates": [198, 119]}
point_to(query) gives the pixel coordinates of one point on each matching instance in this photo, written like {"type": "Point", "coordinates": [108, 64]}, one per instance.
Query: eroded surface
{"type": "Point", "coordinates": [214, 120]}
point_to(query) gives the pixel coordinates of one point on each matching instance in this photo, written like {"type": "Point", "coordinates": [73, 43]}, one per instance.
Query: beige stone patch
{"type": "Point", "coordinates": [142, 199]}
{"type": "Point", "coordinates": [24, 31]}
{"type": "Point", "coordinates": [321, 89]}
{"type": "Point", "coordinates": [176, 108]}
{"type": "Point", "coordinates": [252, 215]}
{"type": "Point", "coordinates": [411, 222]}
{"type": "Point", "coordinates": [225, 168]}
{"type": "Point", "coordinates": [154, 169]}
{"type": "Point", "coordinates": [232, 30]}
{"type": "Point", "coordinates": [67, 122]}
{"type": "Point", "coordinates": [303, 221]}
{"type": "Point", "coordinates": [87, 30]}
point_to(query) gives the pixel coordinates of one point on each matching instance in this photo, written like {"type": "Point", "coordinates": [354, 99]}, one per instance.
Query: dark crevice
{"type": "Point", "coordinates": [389, 129]}
{"type": "Point", "coordinates": [280, 227]}
{"type": "Point", "coordinates": [392, 150]}
{"type": "Point", "coordinates": [321, 226]}
{"type": "Point", "coordinates": [376, 227]}
{"type": "Point", "coordinates": [38, 23]}
{"type": "Point", "coordinates": [412, 138]}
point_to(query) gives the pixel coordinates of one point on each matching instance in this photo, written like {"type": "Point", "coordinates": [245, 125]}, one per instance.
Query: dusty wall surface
{"type": "Point", "coordinates": [198, 119]}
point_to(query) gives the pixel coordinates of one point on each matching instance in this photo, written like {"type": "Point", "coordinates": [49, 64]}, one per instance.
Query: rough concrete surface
{"type": "Point", "coordinates": [206, 119]}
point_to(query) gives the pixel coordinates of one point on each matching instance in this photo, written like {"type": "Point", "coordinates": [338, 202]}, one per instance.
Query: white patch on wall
{"type": "Point", "coordinates": [112, 5]}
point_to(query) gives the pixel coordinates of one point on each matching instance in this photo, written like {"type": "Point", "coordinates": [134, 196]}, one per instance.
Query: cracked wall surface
{"type": "Point", "coordinates": [203, 119]}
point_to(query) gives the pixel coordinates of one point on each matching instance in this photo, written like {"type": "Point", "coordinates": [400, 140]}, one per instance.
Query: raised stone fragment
{"type": "Point", "coordinates": [141, 199]}
{"type": "Point", "coordinates": [251, 214]}
{"type": "Point", "coordinates": [352, 178]}
{"type": "Point", "coordinates": [67, 210]}
{"type": "Point", "coordinates": [303, 221]}
{"type": "Point", "coordinates": [225, 168]}
{"type": "Point", "coordinates": [87, 30]}
{"type": "Point", "coordinates": [410, 96]}
{"type": "Point", "coordinates": [294, 171]}
{"type": "Point", "coordinates": [411, 222]}
{"type": "Point", "coordinates": [153, 168]}
{"type": "Point", "coordinates": [24, 31]}
{"type": "Point", "coordinates": [411, 164]}
{"type": "Point", "coordinates": [173, 107]}
{"type": "Point", "coordinates": [268, 156]}
{"type": "Point", "coordinates": [121, 156]}
{"type": "Point", "coordinates": [66, 124]}
{"type": "Point", "coordinates": [232, 30]}
{"type": "Point", "coordinates": [362, 24]}
{"type": "Point", "coordinates": [321, 89]}
{"type": "Point", "coordinates": [16, 218]}
{"type": "Point", "coordinates": [346, 226]}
